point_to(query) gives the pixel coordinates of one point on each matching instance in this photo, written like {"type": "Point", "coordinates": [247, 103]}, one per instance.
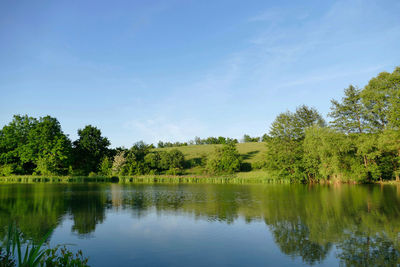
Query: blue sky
{"type": "Point", "coordinates": [173, 70]}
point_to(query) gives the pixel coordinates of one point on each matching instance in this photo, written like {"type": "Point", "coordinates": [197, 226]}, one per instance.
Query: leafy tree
{"type": "Point", "coordinates": [225, 159]}
{"type": "Point", "coordinates": [13, 142]}
{"type": "Point", "coordinates": [118, 163]}
{"type": "Point", "coordinates": [221, 140]}
{"type": "Point", "coordinates": [90, 148]}
{"type": "Point", "coordinates": [329, 154]}
{"type": "Point", "coordinates": [51, 145]}
{"type": "Point", "coordinates": [105, 167]}
{"type": "Point", "coordinates": [389, 143]}
{"type": "Point", "coordinates": [135, 164]}
{"type": "Point", "coordinates": [176, 161]}
{"type": "Point", "coordinates": [284, 157]}
{"type": "Point", "coordinates": [248, 139]}
{"type": "Point", "coordinates": [160, 161]}
{"type": "Point", "coordinates": [348, 116]}
{"type": "Point", "coordinates": [30, 144]}
{"type": "Point", "coordinates": [381, 99]}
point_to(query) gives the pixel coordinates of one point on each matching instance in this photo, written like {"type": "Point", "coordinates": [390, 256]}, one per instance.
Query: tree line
{"type": "Point", "coordinates": [31, 146]}
{"type": "Point", "coordinates": [212, 141]}
{"type": "Point", "coordinates": [39, 147]}
{"type": "Point", "coordinates": [360, 143]}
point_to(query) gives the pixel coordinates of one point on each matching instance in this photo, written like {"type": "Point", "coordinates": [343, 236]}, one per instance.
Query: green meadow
{"type": "Point", "coordinates": [251, 154]}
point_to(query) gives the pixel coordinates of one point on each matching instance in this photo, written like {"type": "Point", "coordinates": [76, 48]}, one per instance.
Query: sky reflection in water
{"type": "Point", "coordinates": [200, 225]}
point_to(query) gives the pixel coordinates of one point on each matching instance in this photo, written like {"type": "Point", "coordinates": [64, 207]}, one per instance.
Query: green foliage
{"type": "Point", "coordinates": [90, 149]}
{"type": "Point", "coordinates": [118, 163]}
{"type": "Point", "coordinates": [135, 164]}
{"type": "Point", "coordinates": [61, 256]}
{"type": "Point", "coordinates": [105, 168]}
{"type": "Point", "coordinates": [35, 145]}
{"type": "Point", "coordinates": [349, 116]}
{"type": "Point", "coordinates": [361, 144]}
{"type": "Point", "coordinates": [213, 140]}
{"type": "Point", "coordinates": [247, 139]}
{"type": "Point", "coordinates": [34, 254]}
{"type": "Point", "coordinates": [224, 160]}
{"type": "Point", "coordinates": [6, 170]}
{"type": "Point", "coordinates": [284, 156]}
{"type": "Point", "coordinates": [170, 162]}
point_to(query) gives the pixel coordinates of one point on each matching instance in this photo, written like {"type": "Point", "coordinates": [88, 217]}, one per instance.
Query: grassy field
{"type": "Point", "coordinates": [250, 152]}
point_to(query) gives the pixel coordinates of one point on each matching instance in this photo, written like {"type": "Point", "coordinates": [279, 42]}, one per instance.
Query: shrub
{"type": "Point", "coordinates": [6, 170]}
{"type": "Point", "coordinates": [118, 163]}
{"type": "Point", "coordinates": [224, 160]}
{"type": "Point", "coordinates": [105, 167]}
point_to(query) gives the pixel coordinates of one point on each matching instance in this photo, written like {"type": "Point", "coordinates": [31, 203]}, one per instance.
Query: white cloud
{"type": "Point", "coordinates": [164, 129]}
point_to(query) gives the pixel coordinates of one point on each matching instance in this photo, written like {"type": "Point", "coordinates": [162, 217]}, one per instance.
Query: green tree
{"type": "Point", "coordinates": [90, 148]}
{"type": "Point", "coordinates": [13, 142]}
{"type": "Point", "coordinates": [381, 99]}
{"type": "Point", "coordinates": [51, 147]}
{"type": "Point", "coordinates": [348, 116]}
{"type": "Point", "coordinates": [28, 144]}
{"type": "Point", "coordinates": [226, 159]}
{"type": "Point", "coordinates": [118, 163]}
{"type": "Point", "coordinates": [284, 156]}
{"type": "Point", "coordinates": [389, 143]}
{"type": "Point", "coordinates": [248, 139]}
{"type": "Point", "coordinates": [135, 159]}
{"type": "Point", "coordinates": [105, 167]}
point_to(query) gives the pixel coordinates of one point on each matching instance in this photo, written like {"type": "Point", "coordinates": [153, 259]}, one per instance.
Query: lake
{"type": "Point", "coordinates": [211, 225]}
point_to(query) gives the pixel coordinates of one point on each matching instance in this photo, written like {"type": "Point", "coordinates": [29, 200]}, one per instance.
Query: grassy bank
{"type": "Point", "coordinates": [251, 153]}
{"type": "Point", "coordinates": [253, 177]}
{"type": "Point", "coordinates": [148, 179]}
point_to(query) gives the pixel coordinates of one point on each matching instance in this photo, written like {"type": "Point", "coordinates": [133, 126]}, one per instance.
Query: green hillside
{"type": "Point", "coordinates": [250, 152]}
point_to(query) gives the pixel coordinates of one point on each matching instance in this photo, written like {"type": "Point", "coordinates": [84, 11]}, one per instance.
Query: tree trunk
{"type": "Point", "coordinates": [365, 162]}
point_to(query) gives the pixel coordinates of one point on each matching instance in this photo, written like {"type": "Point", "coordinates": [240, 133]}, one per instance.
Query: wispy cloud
{"type": "Point", "coordinates": [164, 129]}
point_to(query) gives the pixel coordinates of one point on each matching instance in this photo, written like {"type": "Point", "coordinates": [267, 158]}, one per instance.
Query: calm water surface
{"type": "Point", "coordinates": [212, 225]}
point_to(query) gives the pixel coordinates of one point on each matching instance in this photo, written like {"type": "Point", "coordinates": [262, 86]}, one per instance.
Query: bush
{"type": "Point", "coordinates": [6, 170]}
{"type": "Point", "coordinates": [259, 165]}
{"type": "Point", "coordinates": [171, 162]}
{"type": "Point", "coordinates": [118, 163]}
{"type": "Point", "coordinates": [105, 167]}
{"type": "Point", "coordinates": [224, 160]}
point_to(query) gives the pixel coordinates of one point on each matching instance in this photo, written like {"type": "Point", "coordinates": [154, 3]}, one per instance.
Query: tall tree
{"type": "Point", "coordinates": [29, 144]}
{"type": "Point", "coordinates": [381, 99]}
{"type": "Point", "coordinates": [13, 138]}
{"type": "Point", "coordinates": [51, 147]}
{"type": "Point", "coordinates": [90, 148]}
{"type": "Point", "coordinates": [348, 116]}
{"type": "Point", "coordinates": [284, 157]}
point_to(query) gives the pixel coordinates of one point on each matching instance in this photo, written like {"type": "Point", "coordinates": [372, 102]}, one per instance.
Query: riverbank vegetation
{"type": "Point", "coordinates": [17, 250]}
{"type": "Point", "coordinates": [359, 143]}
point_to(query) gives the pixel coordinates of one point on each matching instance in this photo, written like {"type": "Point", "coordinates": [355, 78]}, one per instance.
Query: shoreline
{"type": "Point", "coordinates": [169, 179]}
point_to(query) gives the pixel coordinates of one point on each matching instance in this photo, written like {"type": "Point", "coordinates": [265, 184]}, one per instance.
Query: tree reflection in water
{"type": "Point", "coordinates": [360, 222]}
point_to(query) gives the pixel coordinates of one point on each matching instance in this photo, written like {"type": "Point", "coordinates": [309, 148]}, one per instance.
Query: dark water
{"type": "Point", "coordinates": [212, 225]}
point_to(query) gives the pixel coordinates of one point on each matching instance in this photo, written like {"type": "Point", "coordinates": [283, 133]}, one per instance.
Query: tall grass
{"type": "Point", "coordinates": [13, 252]}
{"type": "Point", "coordinates": [13, 249]}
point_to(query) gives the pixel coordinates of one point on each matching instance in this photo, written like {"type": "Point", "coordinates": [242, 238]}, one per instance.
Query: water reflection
{"type": "Point", "coordinates": [360, 224]}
